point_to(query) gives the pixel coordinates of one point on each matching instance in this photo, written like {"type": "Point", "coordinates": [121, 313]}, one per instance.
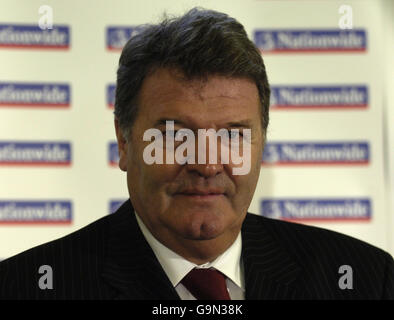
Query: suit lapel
{"type": "Point", "coordinates": [270, 272]}
{"type": "Point", "coordinates": [130, 265]}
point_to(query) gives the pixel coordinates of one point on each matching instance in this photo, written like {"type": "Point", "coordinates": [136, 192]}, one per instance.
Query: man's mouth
{"type": "Point", "coordinates": [201, 193]}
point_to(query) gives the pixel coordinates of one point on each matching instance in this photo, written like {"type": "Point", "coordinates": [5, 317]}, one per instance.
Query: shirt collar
{"type": "Point", "coordinates": [177, 267]}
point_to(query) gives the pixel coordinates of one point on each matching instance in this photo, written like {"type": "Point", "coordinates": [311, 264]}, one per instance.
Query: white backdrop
{"type": "Point", "coordinates": [330, 155]}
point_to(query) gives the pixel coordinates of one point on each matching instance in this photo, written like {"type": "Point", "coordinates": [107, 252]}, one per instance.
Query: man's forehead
{"type": "Point", "coordinates": [168, 85]}
{"type": "Point", "coordinates": [204, 115]}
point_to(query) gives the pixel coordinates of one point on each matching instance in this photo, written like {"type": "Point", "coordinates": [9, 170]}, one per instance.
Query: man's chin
{"type": "Point", "coordinates": [204, 226]}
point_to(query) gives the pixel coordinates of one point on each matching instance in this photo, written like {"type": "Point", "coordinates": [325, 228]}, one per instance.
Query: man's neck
{"type": "Point", "coordinates": [196, 251]}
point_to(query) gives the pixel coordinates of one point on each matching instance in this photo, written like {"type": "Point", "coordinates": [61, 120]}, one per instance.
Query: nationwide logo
{"type": "Point", "coordinates": [115, 204]}
{"type": "Point", "coordinates": [304, 40]}
{"type": "Point", "coordinates": [317, 209]}
{"type": "Point", "coordinates": [113, 155]}
{"type": "Point", "coordinates": [111, 96]}
{"type": "Point", "coordinates": [117, 36]}
{"type": "Point", "coordinates": [319, 153]}
{"type": "Point", "coordinates": [319, 97]}
{"type": "Point", "coordinates": [32, 36]}
{"type": "Point", "coordinates": [35, 212]}
{"type": "Point", "coordinates": [35, 95]}
{"type": "Point", "coordinates": [35, 153]}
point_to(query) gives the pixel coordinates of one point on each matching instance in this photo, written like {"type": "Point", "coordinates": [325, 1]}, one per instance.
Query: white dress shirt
{"type": "Point", "coordinates": [177, 267]}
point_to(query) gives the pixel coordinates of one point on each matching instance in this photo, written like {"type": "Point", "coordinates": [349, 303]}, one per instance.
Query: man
{"type": "Point", "coordinates": [185, 232]}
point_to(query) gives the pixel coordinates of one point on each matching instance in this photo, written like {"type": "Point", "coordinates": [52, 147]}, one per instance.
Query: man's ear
{"type": "Point", "coordinates": [122, 146]}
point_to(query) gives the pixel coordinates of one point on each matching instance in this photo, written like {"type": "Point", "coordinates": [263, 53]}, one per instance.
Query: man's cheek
{"type": "Point", "coordinates": [155, 177]}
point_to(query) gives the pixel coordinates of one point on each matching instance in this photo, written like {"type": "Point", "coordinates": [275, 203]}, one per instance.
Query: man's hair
{"type": "Point", "coordinates": [200, 43]}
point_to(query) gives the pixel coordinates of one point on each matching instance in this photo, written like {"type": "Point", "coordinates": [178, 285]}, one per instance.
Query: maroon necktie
{"type": "Point", "coordinates": [206, 284]}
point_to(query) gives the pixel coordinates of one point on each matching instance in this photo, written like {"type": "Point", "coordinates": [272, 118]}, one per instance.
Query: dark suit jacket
{"type": "Point", "coordinates": [110, 259]}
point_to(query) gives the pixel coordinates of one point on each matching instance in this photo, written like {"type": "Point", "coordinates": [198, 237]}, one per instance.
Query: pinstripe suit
{"type": "Point", "coordinates": [110, 259]}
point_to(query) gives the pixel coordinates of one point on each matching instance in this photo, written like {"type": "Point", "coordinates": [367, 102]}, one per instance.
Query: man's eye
{"type": "Point", "coordinates": [170, 133]}
{"type": "Point", "coordinates": [234, 134]}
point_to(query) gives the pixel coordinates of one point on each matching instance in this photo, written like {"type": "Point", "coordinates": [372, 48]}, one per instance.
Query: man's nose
{"type": "Point", "coordinates": [203, 155]}
{"type": "Point", "coordinates": [207, 170]}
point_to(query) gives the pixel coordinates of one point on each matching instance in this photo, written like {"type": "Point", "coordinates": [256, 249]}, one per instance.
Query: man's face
{"type": "Point", "coordinates": [192, 201]}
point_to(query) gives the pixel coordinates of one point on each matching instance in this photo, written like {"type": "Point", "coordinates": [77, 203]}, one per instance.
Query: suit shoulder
{"type": "Point", "coordinates": [81, 240]}
{"type": "Point", "coordinates": [68, 257]}
{"type": "Point", "coordinates": [324, 255]}
{"type": "Point", "coordinates": [316, 240]}
{"type": "Point", "coordinates": [75, 260]}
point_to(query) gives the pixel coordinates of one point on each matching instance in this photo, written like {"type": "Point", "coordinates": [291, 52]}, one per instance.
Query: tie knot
{"type": "Point", "coordinates": [206, 284]}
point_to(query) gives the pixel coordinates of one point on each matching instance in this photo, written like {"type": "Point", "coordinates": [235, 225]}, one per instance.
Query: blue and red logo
{"type": "Point", "coordinates": [32, 36]}
{"type": "Point", "coordinates": [319, 97]}
{"type": "Point", "coordinates": [115, 205]}
{"type": "Point", "coordinates": [305, 40]}
{"type": "Point", "coordinates": [35, 95]}
{"type": "Point", "coordinates": [317, 210]}
{"type": "Point", "coordinates": [35, 212]}
{"type": "Point", "coordinates": [319, 153]}
{"type": "Point", "coordinates": [117, 36]}
{"type": "Point", "coordinates": [113, 155]}
{"type": "Point", "coordinates": [35, 153]}
{"type": "Point", "coordinates": [111, 90]}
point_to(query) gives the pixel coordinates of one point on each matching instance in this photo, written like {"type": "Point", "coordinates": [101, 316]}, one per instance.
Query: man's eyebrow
{"type": "Point", "coordinates": [163, 121]}
{"type": "Point", "coordinates": [234, 124]}
{"type": "Point", "coordinates": [240, 124]}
